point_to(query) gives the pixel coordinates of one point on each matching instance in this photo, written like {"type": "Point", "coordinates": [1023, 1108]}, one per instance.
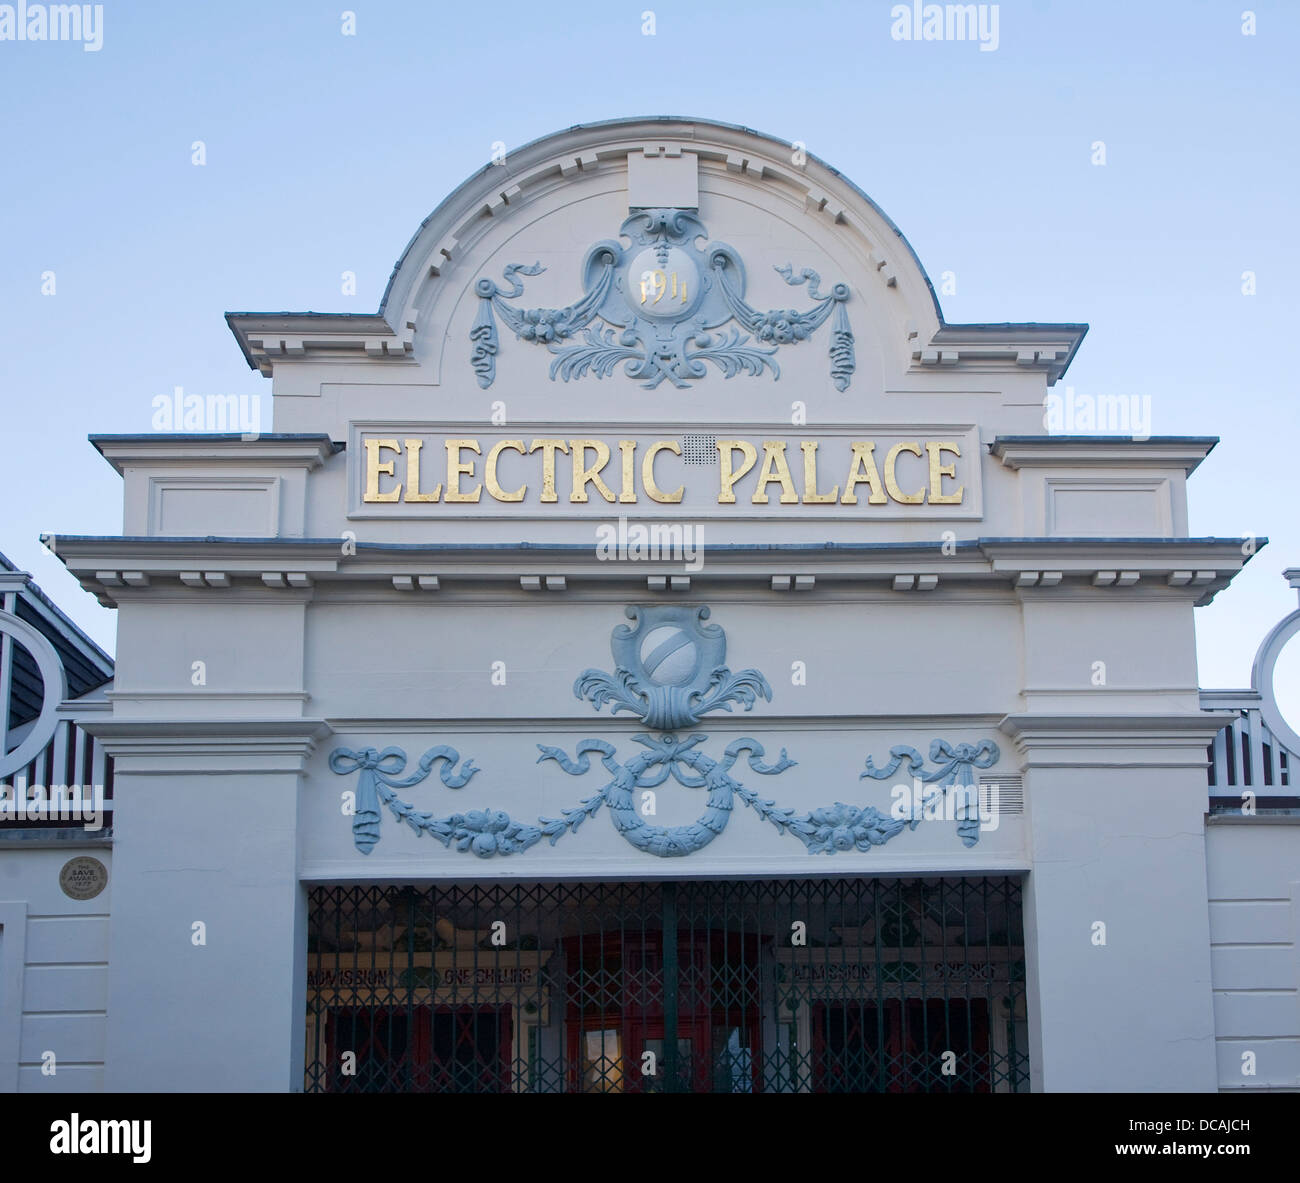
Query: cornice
{"type": "Point", "coordinates": [268, 337]}
{"type": "Point", "coordinates": [114, 568]}
{"type": "Point", "coordinates": [1078, 451]}
{"type": "Point", "coordinates": [1045, 348]}
{"type": "Point", "coordinates": [422, 869]}
{"type": "Point", "coordinates": [1173, 740]}
{"type": "Point", "coordinates": [304, 450]}
{"type": "Point", "coordinates": [1049, 727]}
{"type": "Point", "coordinates": [1261, 817]}
{"type": "Point", "coordinates": [213, 747]}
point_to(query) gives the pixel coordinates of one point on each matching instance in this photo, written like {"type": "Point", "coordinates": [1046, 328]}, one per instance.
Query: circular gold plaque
{"type": "Point", "coordinates": [83, 878]}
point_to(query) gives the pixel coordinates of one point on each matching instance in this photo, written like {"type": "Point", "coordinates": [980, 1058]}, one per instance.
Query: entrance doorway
{"type": "Point", "coordinates": [626, 992]}
{"type": "Point", "coordinates": [836, 985]}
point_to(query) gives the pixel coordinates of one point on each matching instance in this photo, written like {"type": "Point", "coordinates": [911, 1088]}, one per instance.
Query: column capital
{"type": "Point", "coordinates": [216, 747]}
{"type": "Point", "coordinates": [1115, 741]}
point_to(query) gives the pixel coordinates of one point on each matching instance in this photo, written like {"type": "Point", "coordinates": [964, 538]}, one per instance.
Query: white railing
{"type": "Point", "coordinates": [1246, 754]}
{"type": "Point", "coordinates": [72, 769]}
{"type": "Point", "coordinates": [53, 774]}
{"type": "Point", "coordinates": [1260, 749]}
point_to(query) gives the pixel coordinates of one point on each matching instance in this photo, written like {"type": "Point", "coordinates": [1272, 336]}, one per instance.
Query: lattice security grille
{"type": "Point", "coordinates": [858, 985]}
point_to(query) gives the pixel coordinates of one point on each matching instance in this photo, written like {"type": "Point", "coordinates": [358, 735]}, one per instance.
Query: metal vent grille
{"type": "Point", "coordinates": [1009, 798]}
{"type": "Point", "coordinates": [700, 449]}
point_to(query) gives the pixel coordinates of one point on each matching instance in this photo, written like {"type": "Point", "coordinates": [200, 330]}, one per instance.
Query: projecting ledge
{"type": "Point", "coordinates": [1144, 740]}
{"type": "Point", "coordinates": [171, 747]}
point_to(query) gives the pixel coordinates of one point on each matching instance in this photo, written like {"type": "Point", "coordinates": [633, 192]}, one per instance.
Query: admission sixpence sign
{"type": "Point", "coordinates": [83, 878]}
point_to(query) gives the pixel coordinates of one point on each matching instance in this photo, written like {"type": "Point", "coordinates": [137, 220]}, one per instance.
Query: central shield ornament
{"type": "Point", "coordinates": [670, 668]}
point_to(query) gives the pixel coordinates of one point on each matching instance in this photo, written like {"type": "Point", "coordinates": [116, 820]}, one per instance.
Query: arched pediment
{"type": "Point", "coordinates": [661, 253]}
{"type": "Point", "coordinates": [726, 180]}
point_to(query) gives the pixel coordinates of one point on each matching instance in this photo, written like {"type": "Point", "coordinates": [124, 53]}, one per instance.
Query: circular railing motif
{"type": "Point", "coordinates": [1261, 679]}
{"type": "Point", "coordinates": [56, 689]}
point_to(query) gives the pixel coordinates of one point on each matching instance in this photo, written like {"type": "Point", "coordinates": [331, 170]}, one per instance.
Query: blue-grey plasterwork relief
{"type": "Point", "coordinates": [669, 671]}
{"type": "Point", "coordinates": [955, 768]}
{"type": "Point", "coordinates": [381, 773]}
{"type": "Point", "coordinates": [662, 308]}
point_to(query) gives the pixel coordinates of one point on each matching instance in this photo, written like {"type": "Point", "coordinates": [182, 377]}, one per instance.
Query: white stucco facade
{"type": "Point", "coordinates": [283, 597]}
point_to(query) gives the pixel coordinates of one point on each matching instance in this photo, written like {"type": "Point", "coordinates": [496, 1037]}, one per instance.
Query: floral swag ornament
{"type": "Point", "coordinates": [669, 672]}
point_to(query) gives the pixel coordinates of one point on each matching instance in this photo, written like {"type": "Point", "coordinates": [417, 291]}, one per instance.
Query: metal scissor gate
{"type": "Point", "coordinates": [814, 985]}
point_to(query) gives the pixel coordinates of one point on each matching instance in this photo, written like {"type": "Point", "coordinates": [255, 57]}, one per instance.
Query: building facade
{"type": "Point", "coordinates": [656, 652]}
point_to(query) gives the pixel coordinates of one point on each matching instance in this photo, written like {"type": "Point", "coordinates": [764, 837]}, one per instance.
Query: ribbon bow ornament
{"type": "Point", "coordinates": [378, 774]}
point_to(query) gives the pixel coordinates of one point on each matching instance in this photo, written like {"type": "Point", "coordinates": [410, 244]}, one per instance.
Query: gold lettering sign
{"type": "Point", "coordinates": [375, 468]}
{"type": "Point", "coordinates": [413, 449]}
{"type": "Point", "coordinates": [914, 471]}
{"type": "Point", "coordinates": [549, 448]}
{"type": "Point", "coordinates": [864, 460]}
{"type": "Point", "coordinates": [584, 474]}
{"type": "Point", "coordinates": [648, 472]}
{"type": "Point", "coordinates": [775, 469]}
{"type": "Point", "coordinates": [891, 479]}
{"type": "Point", "coordinates": [810, 494]}
{"type": "Point", "coordinates": [490, 481]}
{"type": "Point", "coordinates": [728, 476]}
{"type": "Point", "coordinates": [938, 471]}
{"type": "Point", "coordinates": [456, 469]}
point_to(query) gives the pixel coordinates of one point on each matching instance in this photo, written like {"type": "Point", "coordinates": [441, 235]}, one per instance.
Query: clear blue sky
{"type": "Point", "coordinates": [324, 152]}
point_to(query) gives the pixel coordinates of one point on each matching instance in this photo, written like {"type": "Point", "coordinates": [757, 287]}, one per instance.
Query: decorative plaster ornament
{"type": "Point", "coordinates": [669, 671]}
{"type": "Point", "coordinates": [653, 307]}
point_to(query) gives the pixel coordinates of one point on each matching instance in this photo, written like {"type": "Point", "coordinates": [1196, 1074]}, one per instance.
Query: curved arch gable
{"type": "Point", "coordinates": [496, 204]}
{"type": "Point", "coordinates": [522, 229]}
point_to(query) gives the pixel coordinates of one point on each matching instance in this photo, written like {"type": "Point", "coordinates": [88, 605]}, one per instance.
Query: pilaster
{"type": "Point", "coordinates": [1117, 940]}
{"type": "Point", "coordinates": [202, 996]}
